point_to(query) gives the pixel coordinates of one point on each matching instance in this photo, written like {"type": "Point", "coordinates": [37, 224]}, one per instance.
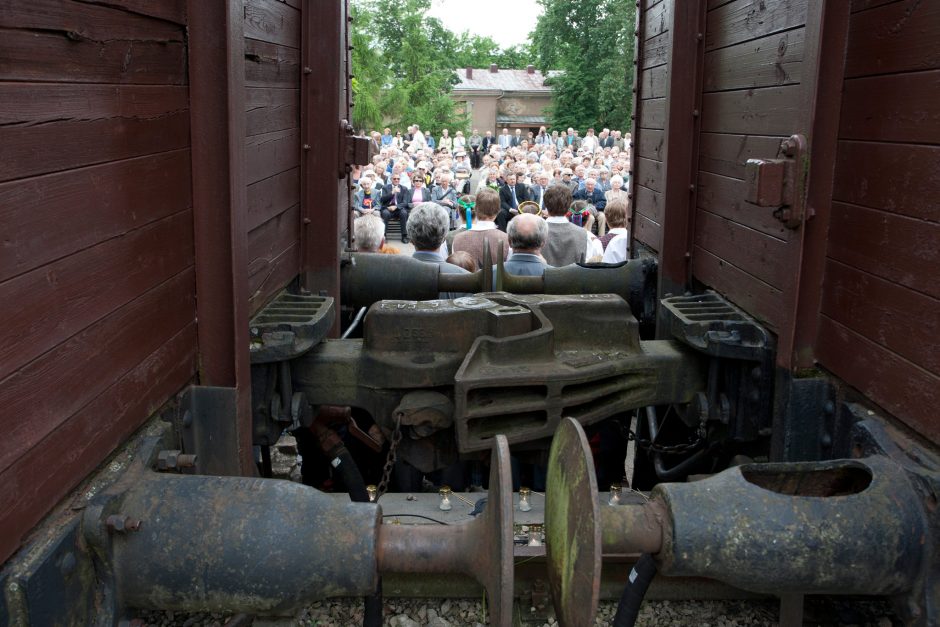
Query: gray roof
{"type": "Point", "coordinates": [503, 80]}
{"type": "Point", "coordinates": [532, 120]}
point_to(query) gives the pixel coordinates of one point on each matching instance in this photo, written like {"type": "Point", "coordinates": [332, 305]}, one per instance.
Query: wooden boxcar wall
{"type": "Point", "coordinates": [96, 238]}
{"type": "Point", "coordinates": [649, 153]}
{"type": "Point", "coordinates": [272, 126]}
{"type": "Point", "coordinates": [880, 318]}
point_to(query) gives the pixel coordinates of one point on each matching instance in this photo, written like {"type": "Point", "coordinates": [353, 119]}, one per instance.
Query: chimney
{"type": "Point", "coordinates": [494, 68]}
{"type": "Point", "coordinates": [530, 69]}
{"type": "Point", "coordinates": [469, 72]}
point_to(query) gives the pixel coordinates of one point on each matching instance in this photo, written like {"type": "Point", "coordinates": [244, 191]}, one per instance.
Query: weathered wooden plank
{"type": "Point", "coordinates": [910, 393]}
{"type": "Point", "coordinates": [272, 196]}
{"type": "Point", "coordinates": [51, 57]}
{"type": "Point", "coordinates": [271, 153]}
{"type": "Point", "coordinates": [657, 20]}
{"type": "Point", "coordinates": [863, 5]}
{"type": "Point", "coordinates": [653, 82]}
{"type": "Point", "coordinates": [649, 174]}
{"type": "Point", "coordinates": [714, 4]}
{"type": "Point", "coordinates": [767, 111]}
{"type": "Point", "coordinates": [270, 65]}
{"type": "Point", "coordinates": [650, 203]}
{"type": "Point", "coordinates": [721, 153]}
{"type": "Point", "coordinates": [752, 251]}
{"type": "Point", "coordinates": [651, 113]}
{"type": "Point", "coordinates": [724, 196]}
{"type": "Point", "coordinates": [272, 278]}
{"type": "Point", "coordinates": [895, 108]}
{"type": "Point", "coordinates": [84, 440]}
{"type": "Point", "coordinates": [655, 51]}
{"type": "Point", "coordinates": [899, 37]}
{"type": "Point", "coordinates": [896, 248]}
{"type": "Point", "coordinates": [82, 20]}
{"type": "Point", "coordinates": [901, 320]}
{"type": "Point", "coordinates": [650, 4]}
{"type": "Point", "coordinates": [273, 22]}
{"type": "Point", "coordinates": [743, 20]}
{"type": "Point", "coordinates": [759, 299]}
{"type": "Point", "coordinates": [80, 369]}
{"type": "Point", "coordinates": [648, 232]}
{"type": "Point", "coordinates": [58, 300]}
{"type": "Point", "coordinates": [272, 238]}
{"type": "Point", "coordinates": [769, 61]}
{"type": "Point", "coordinates": [651, 144]}
{"type": "Point", "coordinates": [897, 178]}
{"type": "Point", "coordinates": [170, 10]}
{"type": "Point", "coordinates": [49, 217]}
{"type": "Point", "coordinates": [269, 110]}
{"type": "Point", "coordinates": [52, 127]}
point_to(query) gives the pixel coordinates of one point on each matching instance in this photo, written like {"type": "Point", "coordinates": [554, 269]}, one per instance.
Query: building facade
{"type": "Point", "coordinates": [498, 98]}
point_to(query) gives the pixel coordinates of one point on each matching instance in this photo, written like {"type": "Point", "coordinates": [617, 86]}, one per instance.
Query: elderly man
{"type": "Point", "coordinates": [427, 227]}
{"type": "Point", "coordinates": [566, 243]}
{"type": "Point", "coordinates": [483, 229]}
{"type": "Point", "coordinates": [595, 198]}
{"type": "Point", "coordinates": [395, 199]}
{"type": "Point", "coordinates": [505, 139]}
{"type": "Point", "coordinates": [527, 234]}
{"type": "Point", "coordinates": [511, 194]}
{"type": "Point", "coordinates": [370, 233]}
{"type": "Point", "coordinates": [538, 189]}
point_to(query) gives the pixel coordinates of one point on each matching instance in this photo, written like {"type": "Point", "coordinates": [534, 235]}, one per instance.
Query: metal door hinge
{"type": "Point", "coordinates": [780, 182]}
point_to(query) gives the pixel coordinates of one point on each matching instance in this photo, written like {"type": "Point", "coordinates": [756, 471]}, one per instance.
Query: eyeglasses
{"type": "Point", "coordinates": [396, 179]}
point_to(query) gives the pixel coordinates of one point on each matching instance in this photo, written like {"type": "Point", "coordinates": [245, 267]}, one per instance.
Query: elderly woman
{"type": "Point", "coordinates": [368, 199]}
{"type": "Point", "coordinates": [444, 195]}
{"type": "Point", "coordinates": [616, 189]}
{"type": "Point", "coordinates": [491, 180]}
{"type": "Point", "coordinates": [460, 142]}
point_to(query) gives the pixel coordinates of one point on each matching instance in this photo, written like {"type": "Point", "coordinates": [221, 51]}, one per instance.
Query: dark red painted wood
{"type": "Point", "coordinates": [84, 20]}
{"type": "Point", "coordinates": [271, 153]}
{"type": "Point", "coordinates": [54, 57]}
{"type": "Point", "coordinates": [82, 368]}
{"type": "Point", "coordinates": [727, 154]}
{"type": "Point", "coordinates": [272, 21]}
{"type": "Point", "coordinates": [766, 111]}
{"type": "Point", "coordinates": [87, 124]}
{"type": "Point", "coordinates": [264, 284]}
{"type": "Point", "coordinates": [649, 203]}
{"type": "Point", "coordinates": [651, 144]}
{"type": "Point", "coordinates": [653, 82]}
{"type": "Point", "coordinates": [724, 196]}
{"type": "Point", "coordinates": [217, 74]}
{"type": "Point", "coordinates": [46, 473]}
{"type": "Point", "coordinates": [652, 113]}
{"type": "Point", "coordinates": [745, 20]}
{"type": "Point", "coordinates": [898, 178]}
{"type": "Point", "coordinates": [655, 51]}
{"type": "Point", "coordinates": [49, 217]}
{"type": "Point", "coordinates": [269, 110]}
{"type": "Point", "coordinates": [62, 298]}
{"type": "Point", "coordinates": [770, 61]}
{"type": "Point", "coordinates": [900, 37]}
{"type": "Point", "coordinates": [902, 320]}
{"type": "Point", "coordinates": [752, 251]}
{"type": "Point", "coordinates": [894, 108]}
{"type": "Point", "coordinates": [900, 387]}
{"type": "Point", "coordinates": [647, 231]}
{"type": "Point", "coordinates": [272, 196]}
{"type": "Point", "coordinates": [753, 295]}
{"type": "Point", "coordinates": [649, 174]}
{"type": "Point", "coordinates": [897, 248]}
{"type": "Point", "coordinates": [272, 238]}
{"type": "Point", "coordinates": [270, 65]}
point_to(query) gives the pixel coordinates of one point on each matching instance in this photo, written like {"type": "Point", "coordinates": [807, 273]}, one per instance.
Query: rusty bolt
{"type": "Point", "coordinates": [171, 459]}
{"type": "Point", "coordinates": [308, 70]}
{"type": "Point", "coordinates": [119, 523]}
{"type": "Point", "coordinates": [699, 36]}
{"type": "Point", "coordinates": [307, 220]}
{"type": "Point", "coordinates": [306, 146]}
{"type": "Point", "coordinates": [692, 187]}
{"type": "Point", "coordinates": [694, 113]}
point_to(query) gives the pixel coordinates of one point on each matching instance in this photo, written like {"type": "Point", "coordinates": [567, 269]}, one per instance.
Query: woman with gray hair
{"type": "Point", "coordinates": [616, 190]}
{"type": "Point", "coordinates": [370, 233]}
{"type": "Point", "coordinates": [427, 227]}
{"type": "Point", "coordinates": [445, 195]}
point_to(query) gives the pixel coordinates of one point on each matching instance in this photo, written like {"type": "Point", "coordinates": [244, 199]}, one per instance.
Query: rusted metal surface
{"type": "Point", "coordinates": [632, 528]}
{"type": "Point", "coordinates": [482, 548]}
{"type": "Point", "coordinates": [572, 527]}
{"type": "Point", "coordinates": [289, 326]}
{"type": "Point", "coordinates": [217, 71]}
{"type": "Point", "coordinates": [369, 278]}
{"type": "Point", "coordinates": [516, 365]}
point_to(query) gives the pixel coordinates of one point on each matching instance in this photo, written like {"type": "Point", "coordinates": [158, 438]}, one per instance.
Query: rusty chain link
{"type": "Point", "coordinates": [390, 460]}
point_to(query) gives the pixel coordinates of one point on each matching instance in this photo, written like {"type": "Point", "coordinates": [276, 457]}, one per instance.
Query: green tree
{"type": "Point", "coordinates": [591, 41]}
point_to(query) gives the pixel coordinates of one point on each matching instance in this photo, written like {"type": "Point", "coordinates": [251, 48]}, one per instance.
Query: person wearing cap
{"type": "Point", "coordinates": [567, 179]}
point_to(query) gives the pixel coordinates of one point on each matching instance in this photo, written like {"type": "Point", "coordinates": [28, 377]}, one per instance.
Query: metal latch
{"type": "Point", "coordinates": [355, 149]}
{"type": "Point", "coordinates": [780, 182]}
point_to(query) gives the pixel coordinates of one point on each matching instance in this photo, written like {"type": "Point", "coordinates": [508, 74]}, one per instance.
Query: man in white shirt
{"type": "Point", "coordinates": [617, 241]}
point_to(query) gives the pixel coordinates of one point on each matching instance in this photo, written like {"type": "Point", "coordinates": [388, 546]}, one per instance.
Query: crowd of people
{"type": "Point", "coordinates": [553, 198]}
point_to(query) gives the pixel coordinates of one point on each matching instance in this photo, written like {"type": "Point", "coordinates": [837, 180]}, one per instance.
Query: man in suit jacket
{"type": "Point", "coordinates": [537, 190]}
{"type": "Point", "coordinates": [511, 194]}
{"type": "Point", "coordinates": [488, 140]}
{"type": "Point", "coordinates": [527, 235]}
{"type": "Point", "coordinates": [395, 199]}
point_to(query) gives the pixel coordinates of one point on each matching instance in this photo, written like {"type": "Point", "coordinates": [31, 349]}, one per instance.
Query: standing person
{"type": "Point", "coordinates": [446, 141]}
{"type": "Point", "coordinates": [460, 142]}
{"type": "Point", "coordinates": [488, 141]}
{"type": "Point", "coordinates": [483, 230]}
{"type": "Point", "coordinates": [475, 143]}
{"type": "Point", "coordinates": [566, 243]}
{"type": "Point", "coordinates": [395, 204]}
{"type": "Point", "coordinates": [527, 234]}
{"type": "Point", "coordinates": [516, 139]}
{"type": "Point", "coordinates": [505, 140]}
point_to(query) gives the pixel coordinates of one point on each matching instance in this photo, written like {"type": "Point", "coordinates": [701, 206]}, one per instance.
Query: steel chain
{"type": "Point", "coordinates": [390, 460]}
{"type": "Point", "coordinates": [645, 444]}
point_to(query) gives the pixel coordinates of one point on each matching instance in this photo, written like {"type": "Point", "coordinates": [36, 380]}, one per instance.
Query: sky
{"type": "Point", "coordinates": [509, 22]}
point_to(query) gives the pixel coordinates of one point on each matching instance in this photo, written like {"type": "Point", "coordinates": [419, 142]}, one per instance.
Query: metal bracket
{"type": "Point", "coordinates": [289, 326]}
{"type": "Point", "coordinates": [780, 182]}
{"type": "Point", "coordinates": [355, 149]}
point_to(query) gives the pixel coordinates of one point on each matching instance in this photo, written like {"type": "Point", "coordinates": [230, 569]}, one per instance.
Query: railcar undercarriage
{"type": "Point", "coordinates": [468, 378]}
